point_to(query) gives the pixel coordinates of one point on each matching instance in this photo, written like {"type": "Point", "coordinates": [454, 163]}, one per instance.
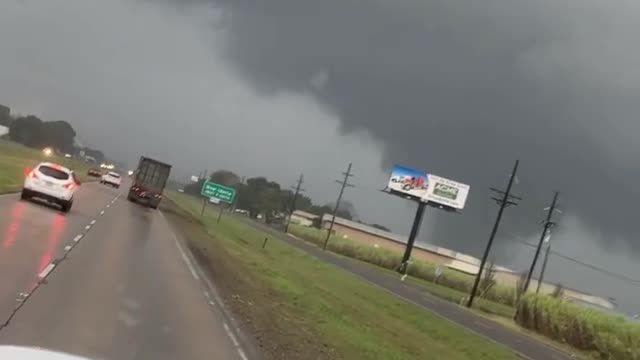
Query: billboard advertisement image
{"type": "Point", "coordinates": [408, 182]}
{"type": "Point", "coordinates": [446, 192]}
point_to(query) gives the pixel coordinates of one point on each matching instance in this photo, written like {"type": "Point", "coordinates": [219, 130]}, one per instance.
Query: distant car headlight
{"type": "Point", "coordinates": [47, 151]}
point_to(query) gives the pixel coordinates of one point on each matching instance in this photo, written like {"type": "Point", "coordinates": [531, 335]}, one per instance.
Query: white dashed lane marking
{"type": "Point", "coordinates": [102, 212]}
{"type": "Point", "coordinates": [87, 227]}
{"type": "Point", "coordinates": [77, 238]}
{"type": "Point", "coordinates": [43, 274]}
{"type": "Point", "coordinates": [67, 248]}
{"type": "Point", "coordinates": [93, 222]}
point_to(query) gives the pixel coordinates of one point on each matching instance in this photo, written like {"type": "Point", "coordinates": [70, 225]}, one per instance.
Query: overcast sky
{"type": "Point", "coordinates": [457, 88]}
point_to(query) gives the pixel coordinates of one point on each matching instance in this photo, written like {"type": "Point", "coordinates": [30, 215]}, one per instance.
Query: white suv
{"type": "Point", "coordinates": [111, 178]}
{"type": "Point", "coordinates": [51, 182]}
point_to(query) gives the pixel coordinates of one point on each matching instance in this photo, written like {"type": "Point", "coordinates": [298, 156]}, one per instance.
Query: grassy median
{"type": "Point", "coordinates": [320, 307]}
{"type": "Point", "coordinates": [15, 160]}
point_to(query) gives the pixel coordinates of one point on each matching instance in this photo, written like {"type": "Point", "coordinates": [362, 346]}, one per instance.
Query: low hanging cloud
{"type": "Point", "coordinates": [462, 89]}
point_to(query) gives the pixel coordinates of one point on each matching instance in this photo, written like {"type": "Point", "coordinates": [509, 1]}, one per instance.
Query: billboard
{"type": "Point", "coordinates": [408, 182]}
{"type": "Point", "coordinates": [446, 192]}
{"type": "Point", "coordinates": [420, 186]}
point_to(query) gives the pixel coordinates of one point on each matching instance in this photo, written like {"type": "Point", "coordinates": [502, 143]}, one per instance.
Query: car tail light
{"type": "Point", "coordinates": [70, 186]}
{"type": "Point", "coordinates": [32, 174]}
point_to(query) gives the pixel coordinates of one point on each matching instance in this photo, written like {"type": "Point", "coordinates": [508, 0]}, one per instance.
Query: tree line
{"type": "Point", "coordinates": [33, 132]}
{"type": "Point", "coordinates": [261, 196]}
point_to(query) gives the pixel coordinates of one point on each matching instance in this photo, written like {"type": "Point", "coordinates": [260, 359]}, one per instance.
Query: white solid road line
{"type": "Point", "coordinates": [46, 271]}
{"type": "Point", "coordinates": [234, 340]}
{"type": "Point", "coordinates": [77, 238]}
{"type": "Point", "coordinates": [209, 296]}
{"type": "Point", "coordinates": [186, 260]}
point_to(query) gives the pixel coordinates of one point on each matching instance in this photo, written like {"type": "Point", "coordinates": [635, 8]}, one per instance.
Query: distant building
{"type": "Point", "coordinates": [368, 235]}
{"type": "Point", "coordinates": [303, 218]}
{"type": "Point", "coordinates": [3, 131]}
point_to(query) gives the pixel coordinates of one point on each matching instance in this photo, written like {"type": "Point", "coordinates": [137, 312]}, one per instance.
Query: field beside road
{"type": "Point", "coordinates": [298, 307]}
{"type": "Point", "coordinates": [450, 285]}
{"type": "Point", "coordinates": [16, 160]}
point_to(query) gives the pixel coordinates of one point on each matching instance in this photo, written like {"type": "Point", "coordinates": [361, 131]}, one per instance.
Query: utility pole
{"type": "Point", "coordinates": [293, 201]}
{"type": "Point", "coordinates": [506, 200]}
{"type": "Point", "coordinates": [547, 224]}
{"type": "Point", "coordinates": [235, 201]}
{"type": "Point", "coordinates": [344, 183]}
{"type": "Point", "coordinates": [544, 267]}
{"type": "Point", "coordinates": [204, 200]}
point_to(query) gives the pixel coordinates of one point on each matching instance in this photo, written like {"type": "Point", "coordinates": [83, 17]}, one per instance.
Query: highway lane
{"type": "Point", "coordinates": [126, 291]}
{"type": "Point", "coordinates": [33, 234]}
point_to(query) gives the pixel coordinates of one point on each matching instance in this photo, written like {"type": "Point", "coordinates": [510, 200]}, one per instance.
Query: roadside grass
{"type": "Point", "coordinates": [16, 160]}
{"type": "Point", "coordinates": [451, 285]}
{"type": "Point", "coordinates": [383, 260]}
{"type": "Point", "coordinates": [354, 319]}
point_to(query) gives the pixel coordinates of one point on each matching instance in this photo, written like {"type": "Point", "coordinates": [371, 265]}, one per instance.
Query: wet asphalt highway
{"type": "Point", "coordinates": [108, 280]}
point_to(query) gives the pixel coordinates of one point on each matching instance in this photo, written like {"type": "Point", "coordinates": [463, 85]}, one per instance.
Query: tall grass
{"type": "Point", "coordinates": [606, 336]}
{"type": "Point", "coordinates": [390, 260]}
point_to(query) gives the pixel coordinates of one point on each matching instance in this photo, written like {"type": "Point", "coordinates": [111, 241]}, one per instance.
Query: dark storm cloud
{"type": "Point", "coordinates": [463, 88]}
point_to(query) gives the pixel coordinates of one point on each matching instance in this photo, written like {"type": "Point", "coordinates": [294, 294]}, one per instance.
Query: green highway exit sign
{"type": "Point", "coordinates": [217, 191]}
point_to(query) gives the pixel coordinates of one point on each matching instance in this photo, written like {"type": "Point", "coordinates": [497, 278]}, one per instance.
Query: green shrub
{"type": "Point", "coordinates": [608, 337]}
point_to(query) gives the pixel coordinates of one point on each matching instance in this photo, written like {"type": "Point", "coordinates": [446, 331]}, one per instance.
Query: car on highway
{"type": "Point", "coordinates": [111, 178]}
{"type": "Point", "coordinates": [51, 182]}
{"type": "Point", "coordinates": [94, 172]}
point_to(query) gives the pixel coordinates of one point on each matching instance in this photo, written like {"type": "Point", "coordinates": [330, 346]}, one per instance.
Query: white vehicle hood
{"type": "Point", "coordinates": [25, 353]}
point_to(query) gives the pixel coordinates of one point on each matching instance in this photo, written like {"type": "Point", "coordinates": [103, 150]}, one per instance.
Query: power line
{"type": "Point", "coordinates": [590, 266]}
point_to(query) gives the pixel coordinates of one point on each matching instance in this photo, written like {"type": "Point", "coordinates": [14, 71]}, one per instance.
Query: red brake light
{"type": "Point", "coordinates": [32, 174]}
{"type": "Point", "coordinates": [70, 186]}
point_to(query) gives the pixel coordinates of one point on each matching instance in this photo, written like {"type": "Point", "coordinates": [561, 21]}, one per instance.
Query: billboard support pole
{"type": "Point", "coordinates": [504, 202]}
{"type": "Point", "coordinates": [415, 228]}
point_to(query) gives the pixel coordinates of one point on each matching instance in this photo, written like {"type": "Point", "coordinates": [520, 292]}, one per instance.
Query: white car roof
{"type": "Point", "coordinates": [56, 166]}
{"type": "Point", "coordinates": [113, 173]}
